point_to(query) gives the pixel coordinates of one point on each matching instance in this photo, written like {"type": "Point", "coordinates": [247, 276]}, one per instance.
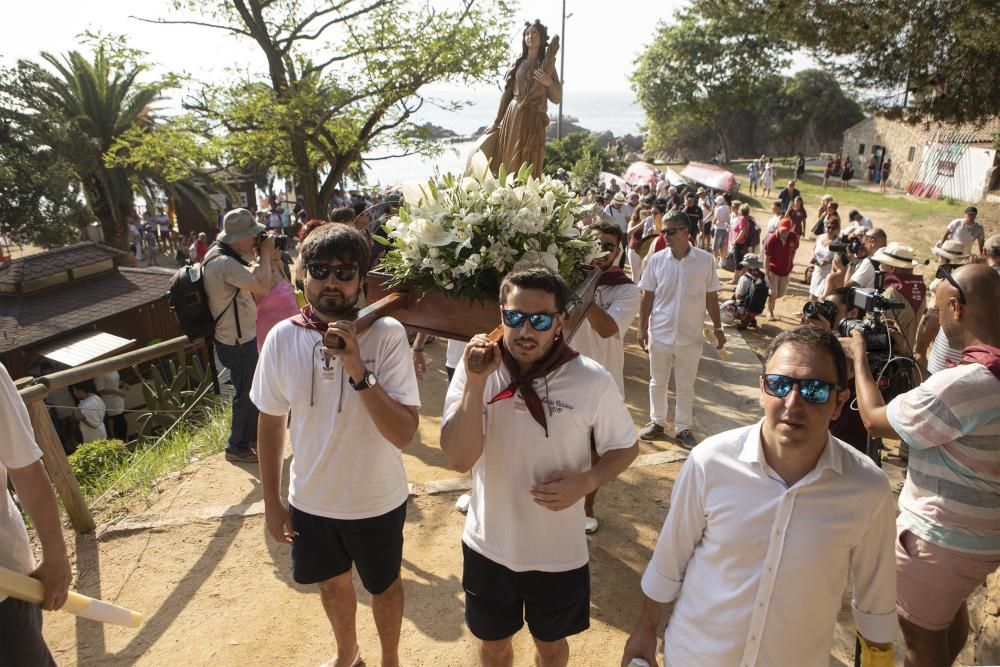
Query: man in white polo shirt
{"type": "Point", "coordinates": [602, 335]}
{"type": "Point", "coordinates": [677, 285]}
{"type": "Point", "coordinates": [354, 407]}
{"type": "Point", "coordinates": [520, 414]}
{"type": "Point", "coordinates": [766, 524]}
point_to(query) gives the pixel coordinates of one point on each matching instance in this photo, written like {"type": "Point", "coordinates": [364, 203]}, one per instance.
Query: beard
{"type": "Point", "coordinates": [333, 303]}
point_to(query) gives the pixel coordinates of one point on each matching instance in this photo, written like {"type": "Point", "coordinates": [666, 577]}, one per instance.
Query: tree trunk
{"type": "Point", "coordinates": [114, 228]}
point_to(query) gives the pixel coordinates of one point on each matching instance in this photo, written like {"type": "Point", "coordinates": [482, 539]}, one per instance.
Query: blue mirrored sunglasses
{"type": "Point", "coordinates": [538, 321]}
{"type": "Point", "coordinates": [812, 391]}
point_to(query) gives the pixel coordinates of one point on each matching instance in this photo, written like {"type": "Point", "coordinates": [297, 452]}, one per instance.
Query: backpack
{"type": "Point", "coordinates": [753, 236]}
{"type": "Point", "coordinates": [757, 299]}
{"type": "Point", "coordinates": [188, 300]}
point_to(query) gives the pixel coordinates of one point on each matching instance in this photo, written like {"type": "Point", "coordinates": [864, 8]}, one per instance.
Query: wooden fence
{"type": "Point", "coordinates": [54, 456]}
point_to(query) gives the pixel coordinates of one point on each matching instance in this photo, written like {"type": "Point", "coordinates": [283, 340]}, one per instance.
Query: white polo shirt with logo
{"type": "Point", "coordinates": [342, 467]}
{"type": "Point", "coordinates": [621, 302]}
{"type": "Point", "coordinates": [504, 523]}
{"type": "Point", "coordinates": [679, 287]}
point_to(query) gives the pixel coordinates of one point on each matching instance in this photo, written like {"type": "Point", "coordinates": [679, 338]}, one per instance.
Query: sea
{"type": "Point", "coordinates": [596, 111]}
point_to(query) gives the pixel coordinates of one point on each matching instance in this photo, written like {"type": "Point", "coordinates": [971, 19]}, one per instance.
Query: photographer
{"type": "Point", "coordinates": [901, 284]}
{"type": "Point", "coordinates": [872, 241]}
{"type": "Point", "coordinates": [232, 285]}
{"type": "Point", "coordinates": [948, 531]}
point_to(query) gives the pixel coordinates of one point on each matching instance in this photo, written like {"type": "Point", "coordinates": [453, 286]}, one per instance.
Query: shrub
{"type": "Point", "coordinates": [92, 460]}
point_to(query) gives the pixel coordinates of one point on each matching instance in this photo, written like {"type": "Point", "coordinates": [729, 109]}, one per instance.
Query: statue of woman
{"type": "Point", "coordinates": [517, 136]}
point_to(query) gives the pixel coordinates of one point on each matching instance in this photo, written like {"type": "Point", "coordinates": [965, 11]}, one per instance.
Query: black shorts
{"type": "Point", "coordinates": [325, 548]}
{"type": "Point", "coordinates": [498, 600]}
{"type": "Point", "coordinates": [21, 630]}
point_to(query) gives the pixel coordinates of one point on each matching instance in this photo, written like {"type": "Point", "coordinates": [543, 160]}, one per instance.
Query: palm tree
{"type": "Point", "coordinates": [94, 104]}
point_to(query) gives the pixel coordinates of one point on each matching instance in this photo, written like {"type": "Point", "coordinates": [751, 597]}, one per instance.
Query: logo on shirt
{"type": "Point", "coordinates": [555, 407]}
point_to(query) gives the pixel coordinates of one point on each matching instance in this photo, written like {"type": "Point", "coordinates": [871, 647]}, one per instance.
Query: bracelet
{"type": "Point", "coordinates": [719, 329]}
{"type": "Point", "coordinates": [417, 349]}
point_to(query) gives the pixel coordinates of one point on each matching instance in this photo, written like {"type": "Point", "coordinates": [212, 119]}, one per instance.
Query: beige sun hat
{"type": "Point", "coordinates": [895, 254]}
{"type": "Point", "coordinates": [239, 224]}
{"type": "Point", "coordinates": [952, 251]}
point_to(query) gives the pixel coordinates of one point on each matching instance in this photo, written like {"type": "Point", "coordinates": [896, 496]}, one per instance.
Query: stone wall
{"type": "Point", "coordinates": [904, 145]}
{"type": "Point", "coordinates": [983, 647]}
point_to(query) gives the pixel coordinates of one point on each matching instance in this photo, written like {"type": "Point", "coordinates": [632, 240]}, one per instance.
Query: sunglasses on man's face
{"type": "Point", "coordinates": [538, 321]}
{"type": "Point", "coordinates": [944, 273]}
{"type": "Point", "coordinates": [608, 247]}
{"type": "Point", "coordinates": [342, 272]}
{"type": "Point", "coordinates": [811, 390]}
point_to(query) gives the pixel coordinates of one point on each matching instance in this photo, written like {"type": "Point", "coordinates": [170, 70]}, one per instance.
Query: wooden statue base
{"type": "Point", "coordinates": [438, 314]}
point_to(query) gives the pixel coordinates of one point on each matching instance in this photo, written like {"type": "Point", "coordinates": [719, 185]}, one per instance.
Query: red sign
{"type": "Point", "coordinates": [946, 168]}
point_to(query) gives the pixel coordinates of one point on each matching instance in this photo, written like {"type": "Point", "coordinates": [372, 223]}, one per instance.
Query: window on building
{"type": "Point", "coordinates": [861, 149]}
{"type": "Point", "coordinates": [909, 155]}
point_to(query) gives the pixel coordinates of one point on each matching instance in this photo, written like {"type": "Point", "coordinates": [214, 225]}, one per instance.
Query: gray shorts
{"type": "Point", "coordinates": [719, 240]}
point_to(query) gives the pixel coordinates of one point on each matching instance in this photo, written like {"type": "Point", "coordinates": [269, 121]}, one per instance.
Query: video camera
{"type": "Point", "coordinates": [814, 310]}
{"type": "Point", "coordinates": [850, 244]}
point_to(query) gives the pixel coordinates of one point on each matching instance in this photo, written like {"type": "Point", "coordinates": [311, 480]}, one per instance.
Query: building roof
{"type": "Point", "coordinates": [51, 262]}
{"type": "Point", "coordinates": [33, 318]}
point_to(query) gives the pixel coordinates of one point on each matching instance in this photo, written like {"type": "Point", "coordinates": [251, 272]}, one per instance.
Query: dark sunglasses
{"type": "Point", "coordinates": [608, 247]}
{"type": "Point", "coordinates": [670, 232]}
{"type": "Point", "coordinates": [538, 321]}
{"type": "Point", "coordinates": [812, 391]}
{"type": "Point", "coordinates": [321, 271]}
{"type": "Point", "coordinates": [944, 273]}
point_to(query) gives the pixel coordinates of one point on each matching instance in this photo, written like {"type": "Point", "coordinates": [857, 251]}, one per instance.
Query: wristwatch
{"type": "Point", "coordinates": [367, 380]}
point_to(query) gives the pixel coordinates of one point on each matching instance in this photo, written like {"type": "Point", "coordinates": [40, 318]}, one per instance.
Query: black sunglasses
{"type": "Point", "coordinates": [608, 247]}
{"type": "Point", "coordinates": [811, 390]}
{"type": "Point", "coordinates": [321, 271]}
{"type": "Point", "coordinates": [538, 321]}
{"type": "Point", "coordinates": [944, 273]}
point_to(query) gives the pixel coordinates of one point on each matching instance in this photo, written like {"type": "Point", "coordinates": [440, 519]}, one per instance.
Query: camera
{"type": "Point", "coordinates": [850, 245]}
{"type": "Point", "coordinates": [280, 240]}
{"type": "Point", "coordinates": [894, 373]}
{"type": "Point", "coordinates": [814, 310]}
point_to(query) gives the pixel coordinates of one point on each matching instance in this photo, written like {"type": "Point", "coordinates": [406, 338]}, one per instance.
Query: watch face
{"type": "Point", "coordinates": [370, 379]}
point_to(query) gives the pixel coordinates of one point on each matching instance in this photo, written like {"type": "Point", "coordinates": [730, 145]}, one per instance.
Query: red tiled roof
{"type": "Point", "coordinates": [33, 318]}
{"type": "Point", "coordinates": [51, 262]}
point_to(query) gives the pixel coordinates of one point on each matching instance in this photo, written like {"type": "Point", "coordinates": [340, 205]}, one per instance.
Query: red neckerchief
{"type": "Point", "coordinates": [558, 354]}
{"type": "Point", "coordinates": [983, 354]}
{"type": "Point", "coordinates": [613, 276]}
{"type": "Point", "coordinates": [307, 320]}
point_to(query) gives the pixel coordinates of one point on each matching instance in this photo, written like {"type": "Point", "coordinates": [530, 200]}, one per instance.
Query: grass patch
{"type": "Point", "coordinates": [137, 475]}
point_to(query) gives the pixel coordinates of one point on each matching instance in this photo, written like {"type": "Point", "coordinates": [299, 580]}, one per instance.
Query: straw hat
{"type": "Point", "coordinates": [895, 254]}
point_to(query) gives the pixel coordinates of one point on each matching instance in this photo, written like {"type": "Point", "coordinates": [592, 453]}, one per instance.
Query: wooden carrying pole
{"type": "Point", "coordinates": [58, 468]}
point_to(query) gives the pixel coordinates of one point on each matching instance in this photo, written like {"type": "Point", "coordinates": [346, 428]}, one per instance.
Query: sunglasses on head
{"type": "Point", "coordinates": [321, 271]}
{"type": "Point", "coordinates": [538, 321]}
{"type": "Point", "coordinates": [811, 390]}
{"type": "Point", "coordinates": [944, 273]}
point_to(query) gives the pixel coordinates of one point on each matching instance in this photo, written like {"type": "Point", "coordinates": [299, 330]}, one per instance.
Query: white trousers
{"type": "Point", "coordinates": [635, 263]}
{"type": "Point", "coordinates": [683, 361]}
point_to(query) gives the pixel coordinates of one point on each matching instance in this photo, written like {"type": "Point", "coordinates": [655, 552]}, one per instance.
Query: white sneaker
{"type": "Point", "coordinates": [462, 504]}
{"type": "Point", "coordinates": [590, 525]}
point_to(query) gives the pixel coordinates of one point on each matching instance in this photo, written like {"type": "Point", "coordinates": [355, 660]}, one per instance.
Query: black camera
{"type": "Point", "coordinates": [850, 245]}
{"type": "Point", "coordinates": [814, 310]}
{"type": "Point", "coordinates": [893, 372]}
{"type": "Point", "coordinates": [280, 240]}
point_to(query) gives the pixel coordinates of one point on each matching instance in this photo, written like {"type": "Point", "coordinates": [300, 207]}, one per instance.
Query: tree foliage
{"type": "Point", "coordinates": [567, 153]}
{"type": "Point", "coordinates": [940, 56]}
{"type": "Point", "coordinates": [70, 111]}
{"type": "Point", "coordinates": [339, 79]}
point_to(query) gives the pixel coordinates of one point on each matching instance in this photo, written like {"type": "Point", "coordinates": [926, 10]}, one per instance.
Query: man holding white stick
{"type": "Point", "coordinates": [20, 457]}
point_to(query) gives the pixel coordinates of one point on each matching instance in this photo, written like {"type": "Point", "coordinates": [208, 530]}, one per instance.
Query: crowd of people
{"type": "Point", "coordinates": [767, 522]}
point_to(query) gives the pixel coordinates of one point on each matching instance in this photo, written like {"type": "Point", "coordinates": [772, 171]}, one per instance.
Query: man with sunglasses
{"type": "Point", "coordinates": [948, 530]}
{"type": "Point", "coordinates": [520, 414]}
{"type": "Point", "coordinates": [353, 401]}
{"type": "Point", "coordinates": [678, 285]}
{"type": "Point", "coordinates": [767, 523]}
{"type": "Point", "coordinates": [602, 335]}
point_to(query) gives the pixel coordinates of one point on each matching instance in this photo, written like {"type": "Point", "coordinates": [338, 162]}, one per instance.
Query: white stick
{"type": "Point", "coordinates": [23, 587]}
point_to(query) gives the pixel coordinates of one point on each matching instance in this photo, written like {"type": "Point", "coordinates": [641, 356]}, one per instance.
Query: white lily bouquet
{"type": "Point", "coordinates": [462, 235]}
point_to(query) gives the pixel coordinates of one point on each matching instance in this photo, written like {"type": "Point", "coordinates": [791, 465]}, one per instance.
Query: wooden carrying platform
{"type": "Point", "coordinates": [438, 314]}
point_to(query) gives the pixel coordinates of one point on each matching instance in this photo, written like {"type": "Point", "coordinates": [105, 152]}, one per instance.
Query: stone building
{"type": "Point", "coordinates": [929, 160]}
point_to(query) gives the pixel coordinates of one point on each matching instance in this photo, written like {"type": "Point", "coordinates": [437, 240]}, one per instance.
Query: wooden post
{"type": "Point", "coordinates": [58, 468]}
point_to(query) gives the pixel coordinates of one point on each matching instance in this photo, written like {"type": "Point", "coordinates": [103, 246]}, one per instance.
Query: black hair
{"type": "Point", "coordinates": [543, 35]}
{"type": "Point", "coordinates": [360, 208]}
{"type": "Point", "coordinates": [536, 277]}
{"type": "Point", "coordinates": [342, 214]}
{"type": "Point", "coordinates": [813, 338]}
{"type": "Point", "coordinates": [336, 241]}
{"type": "Point", "coordinates": [88, 386]}
{"type": "Point", "coordinates": [842, 294]}
{"type": "Point", "coordinates": [609, 228]}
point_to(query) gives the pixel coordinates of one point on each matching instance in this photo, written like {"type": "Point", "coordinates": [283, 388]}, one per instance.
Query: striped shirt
{"type": "Point", "coordinates": [952, 492]}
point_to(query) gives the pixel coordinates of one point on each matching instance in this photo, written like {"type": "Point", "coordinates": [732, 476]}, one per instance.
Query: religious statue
{"type": "Point", "coordinates": [517, 136]}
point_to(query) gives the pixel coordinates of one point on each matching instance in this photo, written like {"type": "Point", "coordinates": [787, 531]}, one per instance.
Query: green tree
{"type": "Point", "coordinates": [805, 112]}
{"type": "Point", "coordinates": [341, 79]}
{"type": "Point", "coordinates": [79, 109]}
{"type": "Point", "coordinates": [701, 71]}
{"type": "Point", "coordinates": [930, 59]}
{"type": "Point", "coordinates": [569, 150]}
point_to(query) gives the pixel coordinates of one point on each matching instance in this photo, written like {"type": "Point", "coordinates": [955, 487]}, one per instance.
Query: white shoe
{"type": "Point", "coordinates": [462, 504]}
{"type": "Point", "coordinates": [590, 525]}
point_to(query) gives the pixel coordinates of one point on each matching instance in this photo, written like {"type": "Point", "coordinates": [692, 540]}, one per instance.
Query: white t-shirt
{"type": "Point", "coordinates": [679, 286]}
{"type": "Point", "coordinates": [619, 215]}
{"type": "Point", "coordinates": [17, 450]}
{"type": "Point", "coordinates": [504, 523]}
{"type": "Point", "coordinates": [115, 404]}
{"type": "Point", "coordinates": [966, 233]}
{"type": "Point", "coordinates": [772, 225]}
{"type": "Point", "coordinates": [621, 302]}
{"type": "Point", "coordinates": [92, 424]}
{"type": "Point", "coordinates": [342, 467]}
{"type": "Point", "coordinates": [864, 275]}
{"type": "Point", "coordinates": [722, 214]}
{"type": "Point", "coordinates": [453, 355]}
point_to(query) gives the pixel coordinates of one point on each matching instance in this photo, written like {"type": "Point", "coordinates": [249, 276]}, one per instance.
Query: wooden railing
{"type": "Point", "coordinates": [54, 456]}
